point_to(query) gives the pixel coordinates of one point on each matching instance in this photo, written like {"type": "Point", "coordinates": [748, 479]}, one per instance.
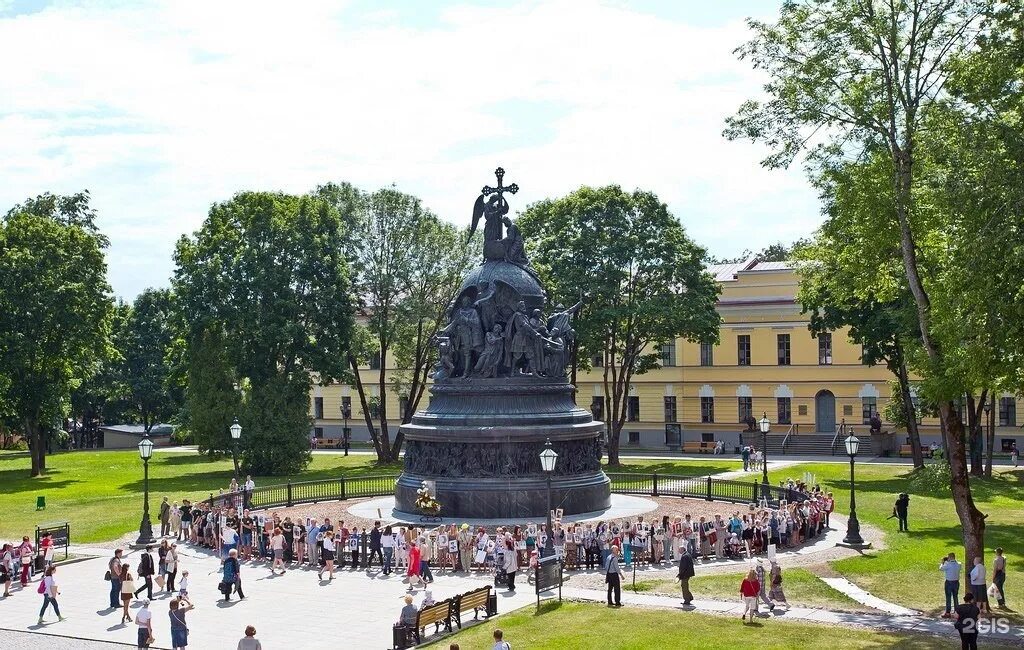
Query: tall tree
{"type": "Point", "coordinates": [409, 264]}
{"type": "Point", "coordinates": [146, 347]}
{"type": "Point", "coordinates": [642, 279]}
{"type": "Point", "coordinates": [853, 77]}
{"type": "Point", "coordinates": [268, 271]}
{"type": "Point", "coordinates": [55, 312]}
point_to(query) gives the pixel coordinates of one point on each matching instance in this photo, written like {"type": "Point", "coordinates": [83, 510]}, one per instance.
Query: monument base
{"type": "Point", "coordinates": [508, 498]}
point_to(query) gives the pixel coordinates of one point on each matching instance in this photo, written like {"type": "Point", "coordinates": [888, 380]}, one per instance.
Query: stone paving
{"type": "Point", "coordinates": [294, 610]}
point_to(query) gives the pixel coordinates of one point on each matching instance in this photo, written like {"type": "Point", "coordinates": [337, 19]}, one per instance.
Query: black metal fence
{"type": "Point", "coordinates": [655, 484]}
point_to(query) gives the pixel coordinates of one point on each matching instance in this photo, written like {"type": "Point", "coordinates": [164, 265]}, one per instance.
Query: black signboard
{"type": "Point", "coordinates": [60, 533]}
{"type": "Point", "coordinates": [548, 575]}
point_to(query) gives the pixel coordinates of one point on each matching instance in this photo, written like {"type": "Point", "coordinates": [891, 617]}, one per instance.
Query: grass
{"type": "Point", "coordinates": [588, 625]}
{"type": "Point", "coordinates": [906, 572]}
{"type": "Point", "coordinates": [802, 587]}
{"type": "Point", "coordinates": [100, 492]}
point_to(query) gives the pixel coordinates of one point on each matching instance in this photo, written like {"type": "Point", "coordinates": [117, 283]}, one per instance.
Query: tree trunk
{"type": "Point", "coordinates": [31, 431]}
{"type": "Point", "coordinates": [972, 520]}
{"type": "Point", "coordinates": [974, 424]}
{"type": "Point", "coordinates": [611, 414]}
{"type": "Point", "coordinates": [909, 412]}
{"type": "Point", "coordinates": [991, 437]}
{"type": "Point", "coordinates": [361, 391]}
{"type": "Point", "coordinates": [382, 412]}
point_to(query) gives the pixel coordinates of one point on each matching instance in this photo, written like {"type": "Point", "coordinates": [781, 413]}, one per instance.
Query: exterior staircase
{"type": "Point", "coordinates": [796, 444]}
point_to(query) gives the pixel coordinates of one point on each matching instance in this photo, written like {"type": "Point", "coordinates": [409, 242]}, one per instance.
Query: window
{"type": "Point", "coordinates": [668, 355]}
{"type": "Point", "coordinates": [346, 407]}
{"type": "Point", "coordinates": [597, 360]}
{"type": "Point", "coordinates": [868, 407]}
{"type": "Point", "coordinates": [746, 408]}
{"type": "Point", "coordinates": [743, 349]}
{"type": "Point", "coordinates": [707, 354]}
{"type": "Point", "coordinates": [863, 355]}
{"type": "Point", "coordinates": [707, 437]}
{"type": "Point", "coordinates": [783, 349]}
{"type": "Point", "coordinates": [318, 408]}
{"type": "Point", "coordinates": [597, 407]}
{"type": "Point", "coordinates": [673, 435]}
{"type": "Point", "coordinates": [633, 409]}
{"type": "Point", "coordinates": [915, 402]}
{"type": "Point", "coordinates": [318, 432]}
{"type": "Point", "coordinates": [825, 349]}
{"type": "Point", "coordinates": [785, 410]}
{"type": "Point", "coordinates": [403, 403]}
{"type": "Point", "coordinates": [670, 408]}
{"type": "Point", "coordinates": [374, 406]}
{"type": "Point", "coordinates": [375, 361]}
{"type": "Point", "coordinates": [634, 438]}
{"type": "Point", "coordinates": [1007, 412]}
{"type": "Point", "coordinates": [707, 409]}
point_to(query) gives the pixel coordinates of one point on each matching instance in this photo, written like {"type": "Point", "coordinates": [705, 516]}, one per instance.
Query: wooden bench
{"type": "Point", "coordinates": [475, 600]}
{"type": "Point", "coordinates": [906, 450]}
{"type": "Point", "coordinates": [437, 614]}
{"type": "Point", "coordinates": [707, 447]}
{"type": "Point", "coordinates": [692, 447]}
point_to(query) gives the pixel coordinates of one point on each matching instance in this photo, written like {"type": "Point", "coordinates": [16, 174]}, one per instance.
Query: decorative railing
{"type": "Point", "coordinates": [840, 430]}
{"type": "Point", "coordinates": [793, 428]}
{"type": "Point", "coordinates": [657, 485]}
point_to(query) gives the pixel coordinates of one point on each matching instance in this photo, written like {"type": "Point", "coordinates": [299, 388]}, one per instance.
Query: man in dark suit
{"type": "Point", "coordinates": [146, 571]}
{"type": "Point", "coordinates": [165, 518]}
{"type": "Point", "coordinates": [901, 508]}
{"type": "Point", "coordinates": [685, 573]}
{"type": "Point", "coordinates": [375, 546]}
{"type": "Point", "coordinates": [613, 576]}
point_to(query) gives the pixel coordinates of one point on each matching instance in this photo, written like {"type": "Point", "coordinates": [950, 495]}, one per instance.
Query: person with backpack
{"type": "Point", "coordinates": [499, 641]}
{"type": "Point", "coordinates": [232, 576]}
{"type": "Point", "coordinates": [114, 576]}
{"type": "Point", "coordinates": [145, 572]}
{"type": "Point", "coordinates": [48, 588]}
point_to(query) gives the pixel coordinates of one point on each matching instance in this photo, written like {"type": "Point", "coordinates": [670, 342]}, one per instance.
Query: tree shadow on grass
{"type": "Point", "coordinates": [18, 480]}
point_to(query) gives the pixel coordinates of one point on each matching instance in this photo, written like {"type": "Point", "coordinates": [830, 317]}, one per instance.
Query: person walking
{"type": "Point", "coordinates": [966, 623]}
{"type": "Point", "coordinates": [50, 591]}
{"type": "Point", "coordinates": [171, 567]}
{"type": "Point", "coordinates": [375, 545]}
{"type": "Point", "coordinates": [613, 577]}
{"type": "Point", "coordinates": [749, 589]}
{"type": "Point", "coordinates": [249, 641]}
{"type": "Point", "coordinates": [761, 580]}
{"type": "Point", "coordinates": [685, 573]}
{"type": "Point", "coordinates": [413, 572]}
{"type": "Point", "coordinates": [775, 592]}
{"type": "Point", "coordinates": [978, 586]}
{"type": "Point", "coordinates": [999, 576]}
{"type": "Point", "coordinates": [901, 507]}
{"type": "Point", "coordinates": [745, 455]}
{"type": "Point", "coordinates": [951, 570]}
{"type": "Point", "coordinates": [144, 625]}
{"type": "Point", "coordinates": [327, 550]}
{"type": "Point", "coordinates": [165, 518]}
{"type": "Point", "coordinates": [179, 629]}
{"type": "Point", "coordinates": [114, 570]}
{"type": "Point", "coordinates": [1014, 454]}
{"type": "Point", "coordinates": [232, 576]}
{"type": "Point", "coordinates": [277, 545]}
{"type": "Point", "coordinates": [127, 592]}
{"type": "Point", "coordinates": [145, 572]}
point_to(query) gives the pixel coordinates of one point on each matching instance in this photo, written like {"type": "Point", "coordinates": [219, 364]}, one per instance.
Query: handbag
{"type": "Point", "coordinates": [42, 587]}
{"type": "Point", "coordinates": [106, 576]}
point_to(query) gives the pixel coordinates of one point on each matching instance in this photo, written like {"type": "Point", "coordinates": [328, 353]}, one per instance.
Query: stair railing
{"type": "Point", "coordinates": [840, 429]}
{"type": "Point", "coordinates": [793, 428]}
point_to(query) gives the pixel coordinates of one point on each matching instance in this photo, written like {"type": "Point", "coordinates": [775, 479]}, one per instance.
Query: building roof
{"type": "Point", "coordinates": [772, 266]}
{"type": "Point", "coordinates": [157, 431]}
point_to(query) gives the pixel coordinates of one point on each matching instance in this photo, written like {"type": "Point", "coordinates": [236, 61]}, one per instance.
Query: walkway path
{"type": "Point", "coordinates": [853, 591]}
{"type": "Point", "coordinates": [726, 608]}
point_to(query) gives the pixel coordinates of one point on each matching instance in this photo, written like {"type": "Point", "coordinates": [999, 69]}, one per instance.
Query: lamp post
{"type": "Point", "coordinates": [236, 433]}
{"type": "Point", "coordinates": [548, 458]}
{"type": "Point", "coordinates": [765, 427]}
{"type": "Point", "coordinates": [145, 527]}
{"type": "Point", "coordinates": [853, 537]}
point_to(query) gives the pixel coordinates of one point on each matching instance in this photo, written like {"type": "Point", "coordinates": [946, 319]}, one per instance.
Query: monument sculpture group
{"type": "Point", "coordinates": [500, 391]}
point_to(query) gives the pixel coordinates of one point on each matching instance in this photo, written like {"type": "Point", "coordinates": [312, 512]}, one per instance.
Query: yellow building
{"type": "Point", "coordinates": [766, 362]}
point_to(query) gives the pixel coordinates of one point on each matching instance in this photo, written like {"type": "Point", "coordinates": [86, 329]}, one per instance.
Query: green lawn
{"type": "Point", "coordinates": [589, 625]}
{"type": "Point", "coordinates": [907, 571]}
{"type": "Point", "coordinates": [100, 492]}
{"type": "Point", "coordinates": [713, 465]}
{"type": "Point", "coordinates": [803, 589]}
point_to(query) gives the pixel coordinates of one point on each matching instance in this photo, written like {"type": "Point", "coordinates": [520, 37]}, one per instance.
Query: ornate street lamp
{"type": "Point", "coordinates": [853, 537]}
{"type": "Point", "coordinates": [236, 433]}
{"type": "Point", "coordinates": [548, 458]}
{"type": "Point", "coordinates": [765, 427]}
{"type": "Point", "coordinates": [145, 527]}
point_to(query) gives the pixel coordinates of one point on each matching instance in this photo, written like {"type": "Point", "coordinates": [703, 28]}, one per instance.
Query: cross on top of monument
{"type": "Point", "coordinates": [500, 189]}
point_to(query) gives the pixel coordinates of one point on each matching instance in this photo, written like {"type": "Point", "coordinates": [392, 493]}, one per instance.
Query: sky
{"type": "Point", "coordinates": [162, 109]}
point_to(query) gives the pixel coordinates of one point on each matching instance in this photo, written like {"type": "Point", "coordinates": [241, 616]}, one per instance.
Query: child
{"type": "Point", "coordinates": [428, 599]}
{"type": "Point", "coordinates": [183, 587]}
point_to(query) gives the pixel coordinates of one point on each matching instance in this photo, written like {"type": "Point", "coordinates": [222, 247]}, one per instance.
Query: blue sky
{"type": "Point", "coordinates": [161, 109]}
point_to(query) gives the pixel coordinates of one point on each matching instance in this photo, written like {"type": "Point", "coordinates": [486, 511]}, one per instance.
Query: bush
{"type": "Point", "coordinates": [934, 478]}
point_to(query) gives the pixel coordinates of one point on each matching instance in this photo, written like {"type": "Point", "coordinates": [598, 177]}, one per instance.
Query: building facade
{"type": "Point", "coordinates": [766, 363]}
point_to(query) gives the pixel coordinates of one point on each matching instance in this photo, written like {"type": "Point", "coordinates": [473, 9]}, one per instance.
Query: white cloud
{"type": "Point", "coordinates": [161, 110]}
